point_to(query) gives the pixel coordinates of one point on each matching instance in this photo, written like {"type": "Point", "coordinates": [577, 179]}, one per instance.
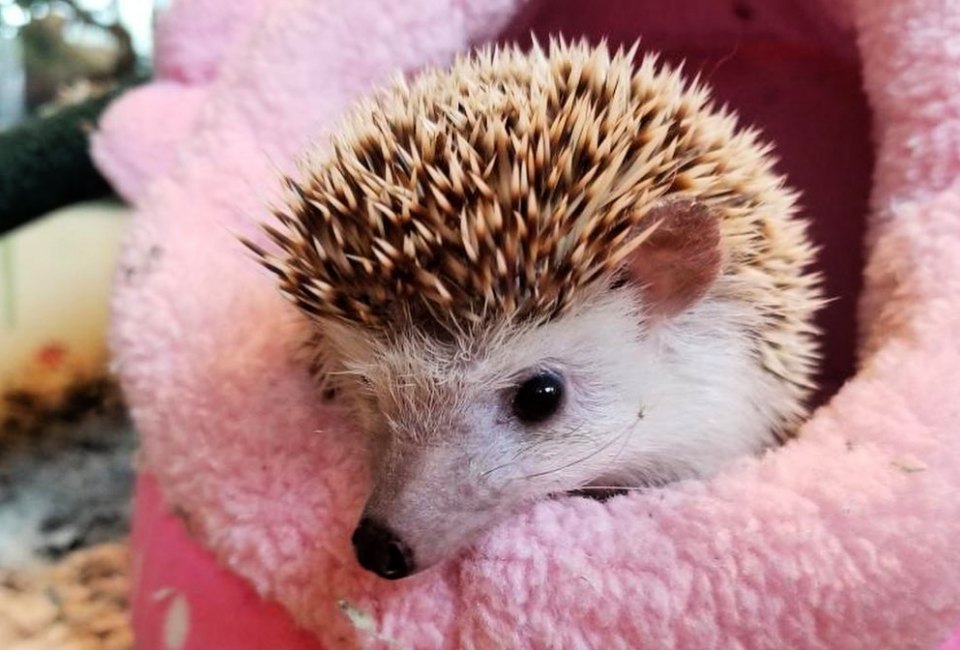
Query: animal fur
{"type": "Point", "coordinates": [478, 223]}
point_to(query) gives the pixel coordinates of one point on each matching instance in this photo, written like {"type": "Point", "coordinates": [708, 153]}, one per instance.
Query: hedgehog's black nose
{"type": "Point", "coordinates": [380, 551]}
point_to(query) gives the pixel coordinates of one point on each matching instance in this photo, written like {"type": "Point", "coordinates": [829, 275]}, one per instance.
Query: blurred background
{"type": "Point", "coordinates": [66, 446]}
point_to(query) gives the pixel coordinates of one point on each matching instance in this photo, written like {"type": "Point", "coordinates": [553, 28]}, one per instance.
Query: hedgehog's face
{"type": "Point", "coordinates": [522, 188]}
{"type": "Point", "coordinates": [613, 393]}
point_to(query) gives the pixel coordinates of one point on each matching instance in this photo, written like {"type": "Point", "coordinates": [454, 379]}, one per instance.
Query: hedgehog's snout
{"type": "Point", "coordinates": [426, 504]}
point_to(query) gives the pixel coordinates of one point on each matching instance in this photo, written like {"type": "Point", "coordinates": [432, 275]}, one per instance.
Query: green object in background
{"type": "Point", "coordinates": [61, 63]}
{"type": "Point", "coordinates": [45, 162]}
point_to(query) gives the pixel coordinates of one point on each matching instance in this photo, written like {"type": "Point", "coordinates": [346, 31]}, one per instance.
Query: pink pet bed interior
{"type": "Point", "coordinates": [787, 67]}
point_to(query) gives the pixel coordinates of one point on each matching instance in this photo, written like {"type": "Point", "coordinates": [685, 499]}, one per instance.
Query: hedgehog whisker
{"type": "Point", "coordinates": [623, 446]}
{"type": "Point", "coordinates": [531, 444]}
{"type": "Point", "coordinates": [516, 456]}
{"type": "Point", "coordinates": [621, 436]}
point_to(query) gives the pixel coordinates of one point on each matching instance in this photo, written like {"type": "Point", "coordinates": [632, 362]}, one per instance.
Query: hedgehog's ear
{"type": "Point", "coordinates": [676, 265]}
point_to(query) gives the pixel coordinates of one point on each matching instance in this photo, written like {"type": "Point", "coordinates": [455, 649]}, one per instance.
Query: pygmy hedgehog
{"type": "Point", "coordinates": [537, 274]}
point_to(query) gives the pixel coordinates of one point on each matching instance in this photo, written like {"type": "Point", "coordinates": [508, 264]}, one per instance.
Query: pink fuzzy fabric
{"type": "Point", "coordinates": [846, 538]}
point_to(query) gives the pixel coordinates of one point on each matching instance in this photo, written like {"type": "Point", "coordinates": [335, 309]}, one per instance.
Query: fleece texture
{"type": "Point", "coordinates": [846, 538]}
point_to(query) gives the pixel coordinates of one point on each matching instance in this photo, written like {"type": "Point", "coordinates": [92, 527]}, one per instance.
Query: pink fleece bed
{"type": "Point", "coordinates": [250, 488]}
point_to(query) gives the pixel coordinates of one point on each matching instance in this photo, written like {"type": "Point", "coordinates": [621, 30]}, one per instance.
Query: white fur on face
{"type": "Point", "coordinates": [645, 402]}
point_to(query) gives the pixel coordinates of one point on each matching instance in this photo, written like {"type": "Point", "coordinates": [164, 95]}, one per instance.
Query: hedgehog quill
{"type": "Point", "coordinates": [545, 273]}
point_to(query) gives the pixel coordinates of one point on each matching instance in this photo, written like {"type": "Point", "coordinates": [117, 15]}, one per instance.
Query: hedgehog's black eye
{"type": "Point", "coordinates": [538, 397]}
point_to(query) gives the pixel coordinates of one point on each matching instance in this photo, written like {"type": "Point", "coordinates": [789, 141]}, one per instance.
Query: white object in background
{"type": "Point", "coordinates": [137, 16]}
{"type": "Point", "coordinates": [55, 277]}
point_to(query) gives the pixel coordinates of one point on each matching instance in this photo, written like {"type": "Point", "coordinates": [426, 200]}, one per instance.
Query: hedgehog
{"type": "Point", "coordinates": [538, 274]}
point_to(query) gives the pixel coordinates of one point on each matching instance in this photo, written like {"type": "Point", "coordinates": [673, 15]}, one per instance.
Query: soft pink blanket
{"type": "Point", "coordinates": [846, 538]}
